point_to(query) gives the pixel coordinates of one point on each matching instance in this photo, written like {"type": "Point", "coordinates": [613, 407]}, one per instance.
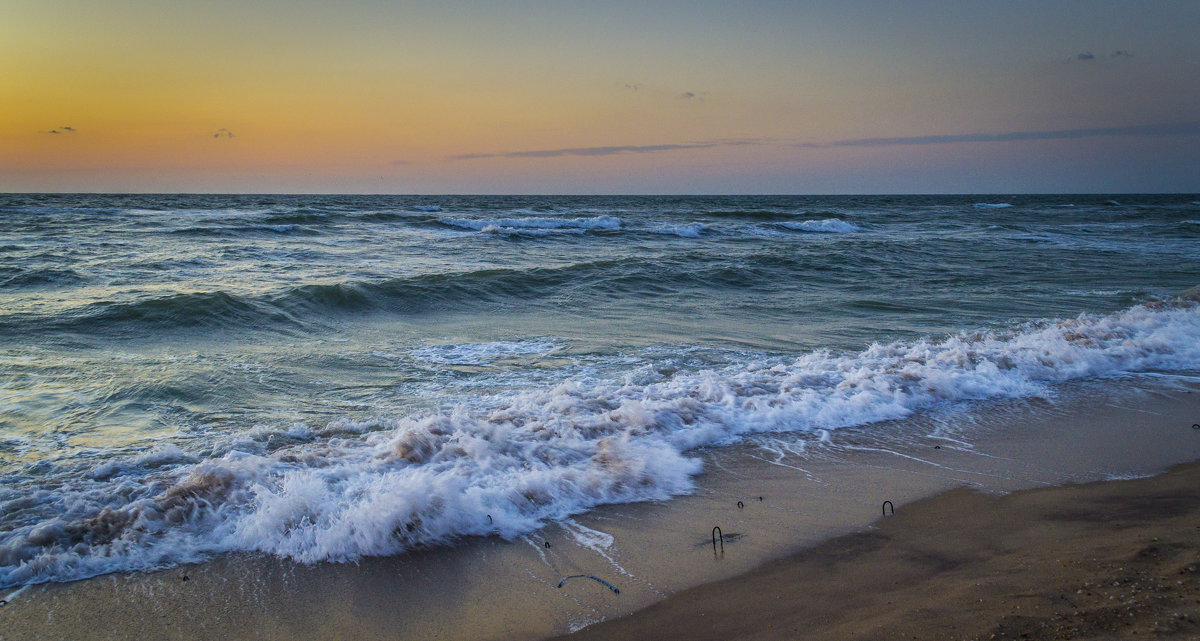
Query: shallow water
{"type": "Point", "coordinates": [327, 378]}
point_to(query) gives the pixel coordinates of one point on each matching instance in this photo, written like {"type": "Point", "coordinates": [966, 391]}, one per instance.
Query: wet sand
{"type": "Point", "coordinates": [1107, 560]}
{"type": "Point", "coordinates": [813, 488]}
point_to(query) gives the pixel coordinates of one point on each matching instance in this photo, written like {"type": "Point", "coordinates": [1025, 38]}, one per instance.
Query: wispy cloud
{"type": "Point", "coordinates": [1169, 129]}
{"type": "Point", "coordinates": [618, 149]}
{"type": "Point", "coordinates": [590, 151]}
{"type": "Point", "coordinates": [687, 95]}
{"type": "Point", "coordinates": [1088, 56]}
{"type": "Point", "coordinates": [223, 133]}
{"type": "Point", "coordinates": [61, 130]}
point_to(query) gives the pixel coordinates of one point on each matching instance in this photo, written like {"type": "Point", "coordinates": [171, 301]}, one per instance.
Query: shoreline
{"type": "Point", "coordinates": [1100, 560]}
{"type": "Point", "coordinates": [488, 588]}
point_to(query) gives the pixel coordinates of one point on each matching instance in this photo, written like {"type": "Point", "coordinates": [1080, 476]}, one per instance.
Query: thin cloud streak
{"type": "Point", "coordinates": [1170, 129]}
{"type": "Point", "coordinates": [617, 149]}
{"type": "Point", "coordinates": [591, 151]}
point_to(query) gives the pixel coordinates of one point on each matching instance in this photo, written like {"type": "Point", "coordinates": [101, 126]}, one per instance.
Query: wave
{"type": "Point", "coordinates": [826, 226]}
{"type": "Point", "coordinates": [18, 277]}
{"type": "Point", "coordinates": [279, 228]}
{"type": "Point", "coordinates": [509, 464]}
{"type": "Point", "coordinates": [534, 225]}
{"type": "Point", "coordinates": [690, 230]}
{"type": "Point", "coordinates": [191, 309]}
{"type": "Point", "coordinates": [992, 205]}
{"type": "Point", "coordinates": [298, 218]}
{"type": "Point", "coordinates": [752, 214]}
{"type": "Point", "coordinates": [483, 353]}
{"type": "Point", "coordinates": [296, 307]}
{"type": "Point", "coordinates": [312, 306]}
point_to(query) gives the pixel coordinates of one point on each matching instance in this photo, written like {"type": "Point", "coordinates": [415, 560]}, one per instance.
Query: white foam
{"type": "Point", "coordinates": [992, 205]}
{"type": "Point", "coordinates": [165, 455]}
{"type": "Point", "coordinates": [594, 540]}
{"type": "Point", "coordinates": [599, 542]}
{"type": "Point", "coordinates": [691, 230]}
{"type": "Point", "coordinates": [482, 353]}
{"type": "Point", "coordinates": [13, 595]}
{"type": "Point", "coordinates": [826, 226]}
{"type": "Point", "coordinates": [511, 463]}
{"type": "Point", "coordinates": [169, 454]}
{"type": "Point", "coordinates": [575, 624]}
{"type": "Point", "coordinates": [536, 225]}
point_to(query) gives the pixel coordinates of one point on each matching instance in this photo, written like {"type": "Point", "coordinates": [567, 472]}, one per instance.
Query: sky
{"type": "Point", "coordinates": [600, 97]}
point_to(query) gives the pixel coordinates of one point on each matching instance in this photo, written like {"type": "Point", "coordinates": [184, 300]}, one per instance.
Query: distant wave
{"type": "Point", "coordinates": [827, 226]}
{"type": "Point", "coordinates": [535, 225]}
{"type": "Point", "coordinates": [752, 214]}
{"type": "Point", "coordinates": [992, 205]}
{"type": "Point", "coordinates": [281, 228]}
{"type": "Point", "coordinates": [298, 217]}
{"type": "Point", "coordinates": [508, 464]}
{"type": "Point", "coordinates": [690, 230]}
{"type": "Point", "coordinates": [17, 277]}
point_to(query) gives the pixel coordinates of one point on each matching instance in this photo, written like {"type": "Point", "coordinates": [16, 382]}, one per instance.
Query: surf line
{"type": "Point", "coordinates": [16, 593]}
{"type": "Point", "coordinates": [588, 576]}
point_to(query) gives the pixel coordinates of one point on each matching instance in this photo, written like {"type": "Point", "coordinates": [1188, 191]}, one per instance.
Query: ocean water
{"type": "Point", "coordinates": [324, 378]}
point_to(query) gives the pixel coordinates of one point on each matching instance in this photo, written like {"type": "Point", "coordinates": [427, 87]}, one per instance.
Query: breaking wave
{"type": "Point", "coordinates": [535, 226]}
{"type": "Point", "coordinates": [508, 464]}
{"type": "Point", "coordinates": [827, 226]}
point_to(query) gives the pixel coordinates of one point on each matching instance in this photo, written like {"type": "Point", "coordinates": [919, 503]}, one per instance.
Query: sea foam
{"type": "Point", "coordinates": [508, 464]}
{"type": "Point", "coordinates": [535, 225]}
{"type": "Point", "coordinates": [826, 226]}
{"type": "Point", "coordinates": [482, 353]}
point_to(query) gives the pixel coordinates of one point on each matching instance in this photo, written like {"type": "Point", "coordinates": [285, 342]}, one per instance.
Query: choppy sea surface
{"type": "Point", "coordinates": [330, 377]}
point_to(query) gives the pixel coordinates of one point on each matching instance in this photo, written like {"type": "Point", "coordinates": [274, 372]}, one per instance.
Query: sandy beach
{"type": "Point", "coordinates": [1107, 560]}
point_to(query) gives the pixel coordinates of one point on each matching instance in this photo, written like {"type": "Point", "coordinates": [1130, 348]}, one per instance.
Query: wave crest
{"type": "Point", "coordinates": [826, 226]}
{"type": "Point", "coordinates": [508, 464]}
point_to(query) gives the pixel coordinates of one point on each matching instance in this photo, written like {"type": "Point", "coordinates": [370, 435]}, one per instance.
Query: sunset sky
{"type": "Point", "coordinates": [599, 97]}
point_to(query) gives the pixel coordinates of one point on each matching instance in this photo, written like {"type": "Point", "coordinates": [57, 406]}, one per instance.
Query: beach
{"type": "Point", "coordinates": [1004, 548]}
{"type": "Point", "coordinates": [1105, 560]}
{"type": "Point", "coordinates": [578, 320]}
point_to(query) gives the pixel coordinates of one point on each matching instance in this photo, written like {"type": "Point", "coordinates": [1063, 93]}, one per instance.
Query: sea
{"type": "Point", "coordinates": [331, 378]}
